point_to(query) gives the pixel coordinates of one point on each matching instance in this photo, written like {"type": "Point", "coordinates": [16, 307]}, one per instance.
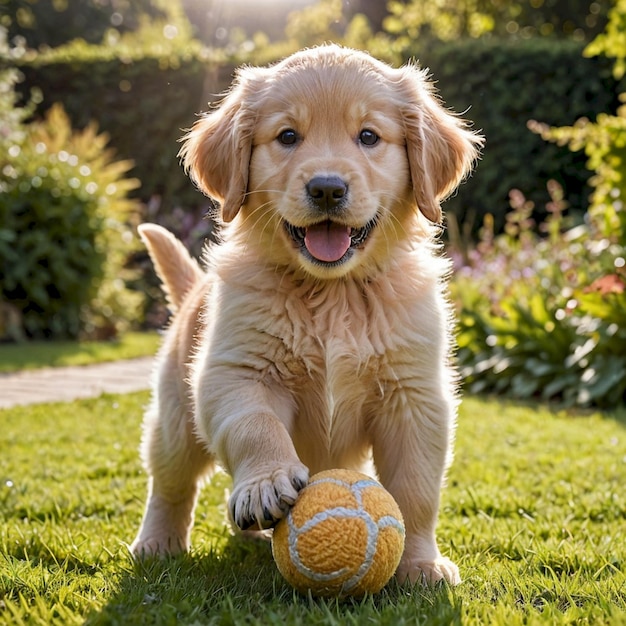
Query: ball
{"type": "Point", "coordinates": [344, 536]}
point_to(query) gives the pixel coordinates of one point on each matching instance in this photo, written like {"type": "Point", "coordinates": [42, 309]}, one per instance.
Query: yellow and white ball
{"type": "Point", "coordinates": [344, 536]}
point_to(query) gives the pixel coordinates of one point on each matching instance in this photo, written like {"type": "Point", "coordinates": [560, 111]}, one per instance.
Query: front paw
{"type": "Point", "coordinates": [428, 572]}
{"type": "Point", "coordinates": [263, 498]}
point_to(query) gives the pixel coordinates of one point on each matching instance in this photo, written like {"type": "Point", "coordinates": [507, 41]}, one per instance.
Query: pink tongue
{"type": "Point", "coordinates": [327, 241]}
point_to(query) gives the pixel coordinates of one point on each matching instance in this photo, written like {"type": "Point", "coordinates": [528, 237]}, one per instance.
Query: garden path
{"type": "Point", "coordinates": [64, 384]}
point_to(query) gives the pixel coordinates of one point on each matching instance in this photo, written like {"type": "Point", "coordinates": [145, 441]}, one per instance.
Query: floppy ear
{"type": "Point", "coordinates": [216, 151]}
{"type": "Point", "coordinates": [440, 148]}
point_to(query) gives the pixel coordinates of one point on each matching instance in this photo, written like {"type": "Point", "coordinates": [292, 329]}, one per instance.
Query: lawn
{"type": "Point", "coordinates": [36, 354]}
{"type": "Point", "coordinates": [534, 514]}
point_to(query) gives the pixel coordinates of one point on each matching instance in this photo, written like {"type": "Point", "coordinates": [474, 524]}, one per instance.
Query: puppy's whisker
{"type": "Point", "coordinates": [398, 223]}
{"type": "Point", "coordinates": [267, 224]}
{"type": "Point", "coordinates": [262, 209]}
{"type": "Point", "coordinates": [264, 190]}
{"type": "Point", "coordinates": [268, 209]}
{"type": "Point", "coordinates": [386, 214]}
{"type": "Point", "coordinates": [257, 215]}
{"type": "Point", "coordinates": [260, 213]}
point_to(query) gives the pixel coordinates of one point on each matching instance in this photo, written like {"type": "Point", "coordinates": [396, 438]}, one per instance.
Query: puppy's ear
{"type": "Point", "coordinates": [216, 151]}
{"type": "Point", "coordinates": [440, 148]}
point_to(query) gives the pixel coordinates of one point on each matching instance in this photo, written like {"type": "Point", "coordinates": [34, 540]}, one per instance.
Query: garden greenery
{"type": "Point", "coordinates": [145, 89]}
{"type": "Point", "coordinates": [501, 86]}
{"type": "Point", "coordinates": [541, 296]}
{"type": "Point", "coordinates": [64, 230]}
{"type": "Point", "coordinates": [544, 314]}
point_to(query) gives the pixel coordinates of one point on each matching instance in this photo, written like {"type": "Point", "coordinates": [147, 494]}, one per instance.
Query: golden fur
{"type": "Point", "coordinates": [279, 362]}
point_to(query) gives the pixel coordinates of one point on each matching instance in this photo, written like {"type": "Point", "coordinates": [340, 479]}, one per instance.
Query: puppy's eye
{"type": "Point", "coordinates": [368, 137]}
{"type": "Point", "coordinates": [288, 137]}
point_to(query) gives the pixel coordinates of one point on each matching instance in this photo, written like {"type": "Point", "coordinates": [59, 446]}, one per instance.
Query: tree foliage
{"type": "Point", "coordinates": [557, 329]}
{"type": "Point", "coordinates": [12, 117]}
{"type": "Point", "coordinates": [52, 24]}
{"type": "Point", "coordinates": [447, 20]}
{"type": "Point", "coordinates": [612, 42]}
{"type": "Point", "coordinates": [604, 140]}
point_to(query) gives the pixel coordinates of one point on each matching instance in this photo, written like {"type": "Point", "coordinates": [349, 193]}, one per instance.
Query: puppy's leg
{"type": "Point", "coordinates": [411, 451]}
{"type": "Point", "coordinates": [248, 429]}
{"type": "Point", "coordinates": [268, 475]}
{"type": "Point", "coordinates": [175, 461]}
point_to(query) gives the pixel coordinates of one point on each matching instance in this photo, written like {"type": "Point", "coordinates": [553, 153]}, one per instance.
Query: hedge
{"type": "Point", "coordinates": [144, 102]}
{"type": "Point", "coordinates": [500, 86]}
{"type": "Point", "coordinates": [64, 233]}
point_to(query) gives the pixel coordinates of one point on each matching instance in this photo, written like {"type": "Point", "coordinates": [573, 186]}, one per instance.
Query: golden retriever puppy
{"type": "Point", "coordinates": [318, 333]}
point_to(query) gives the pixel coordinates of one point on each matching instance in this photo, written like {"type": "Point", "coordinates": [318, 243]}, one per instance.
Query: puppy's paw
{"type": "Point", "coordinates": [162, 545]}
{"type": "Point", "coordinates": [264, 498]}
{"type": "Point", "coordinates": [166, 527]}
{"type": "Point", "coordinates": [428, 572]}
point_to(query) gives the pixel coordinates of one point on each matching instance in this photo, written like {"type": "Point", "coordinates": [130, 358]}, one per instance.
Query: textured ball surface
{"type": "Point", "coordinates": [343, 536]}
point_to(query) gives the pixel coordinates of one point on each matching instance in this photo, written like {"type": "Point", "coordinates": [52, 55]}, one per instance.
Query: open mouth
{"type": "Point", "coordinates": [329, 243]}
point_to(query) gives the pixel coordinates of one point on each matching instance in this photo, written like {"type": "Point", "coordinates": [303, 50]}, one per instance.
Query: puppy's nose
{"type": "Point", "coordinates": [327, 192]}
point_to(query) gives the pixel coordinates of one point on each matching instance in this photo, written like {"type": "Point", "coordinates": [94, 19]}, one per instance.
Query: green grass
{"type": "Point", "coordinates": [534, 514]}
{"type": "Point", "coordinates": [35, 354]}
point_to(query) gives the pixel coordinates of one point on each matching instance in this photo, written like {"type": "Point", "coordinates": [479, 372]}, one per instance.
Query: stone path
{"type": "Point", "coordinates": [64, 384]}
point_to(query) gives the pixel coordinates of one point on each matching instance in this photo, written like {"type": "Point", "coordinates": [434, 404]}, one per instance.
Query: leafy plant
{"type": "Point", "coordinates": [143, 90]}
{"type": "Point", "coordinates": [557, 327]}
{"type": "Point", "coordinates": [544, 315]}
{"type": "Point", "coordinates": [603, 141]}
{"type": "Point", "coordinates": [64, 235]}
{"type": "Point", "coordinates": [447, 20]}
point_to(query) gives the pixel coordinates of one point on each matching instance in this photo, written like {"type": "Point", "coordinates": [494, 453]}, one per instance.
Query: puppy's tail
{"type": "Point", "coordinates": [174, 266]}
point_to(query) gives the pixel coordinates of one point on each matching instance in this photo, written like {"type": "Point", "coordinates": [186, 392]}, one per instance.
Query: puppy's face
{"type": "Point", "coordinates": [328, 157]}
{"type": "Point", "coordinates": [329, 175]}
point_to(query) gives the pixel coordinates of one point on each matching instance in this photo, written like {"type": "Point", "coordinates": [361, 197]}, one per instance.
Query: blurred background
{"type": "Point", "coordinates": [95, 95]}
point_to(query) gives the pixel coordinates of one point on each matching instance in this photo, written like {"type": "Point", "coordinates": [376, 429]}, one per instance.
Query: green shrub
{"type": "Point", "coordinates": [12, 117]}
{"type": "Point", "coordinates": [544, 316]}
{"type": "Point", "coordinates": [64, 237]}
{"type": "Point", "coordinates": [603, 141]}
{"type": "Point", "coordinates": [54, 23]}
{"type": "Point", "coordinates": [142, 93]}
{"type": "Point", "coordinates": [501, 85]}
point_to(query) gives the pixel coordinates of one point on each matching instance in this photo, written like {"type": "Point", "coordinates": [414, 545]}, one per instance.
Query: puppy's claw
{"type": "Point", "coordinates": [262, 502]}
{"type": "Point", "coordinates": [288, 501]}
{"type": "Point", "coordinates": [300, 484]}
{"type": "Point", "coordinates": [247, 524]}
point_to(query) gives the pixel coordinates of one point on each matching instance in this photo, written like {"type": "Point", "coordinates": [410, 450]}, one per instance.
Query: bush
{"type": "Point", "coordinates": [142, 93]}
{"type": "Point", "coordinates": [544, 316]}
{"type": "Point", "coordinates": [557, 327]}
{"type": "Point", "coordinates": [64, 237]}
{"type": "Point", "coordinates": [604, 140]}
{"type": "Point", "coordinates": [501, 85]}
{"type": "Point", "coordinates": [51, 24]}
